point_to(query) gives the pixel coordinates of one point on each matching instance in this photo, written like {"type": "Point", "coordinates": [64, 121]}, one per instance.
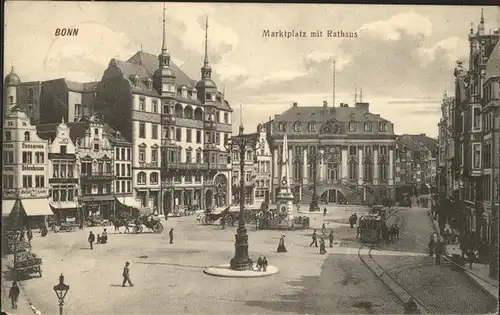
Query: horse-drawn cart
{"type": "Point", "coordinates": [230, 216]}
{"type": "Point", "coordinates": [148, 222]}
{"type": "Point", "coordinates": [27, 263]}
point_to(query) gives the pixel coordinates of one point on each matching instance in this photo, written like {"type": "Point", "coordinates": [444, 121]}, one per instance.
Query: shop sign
{"type": "Point", "coordinates": [32, 146]}
{"type": "Point", "coordinates": [25, 193]}
{"type": "Point", "coordinates": [28, 168]}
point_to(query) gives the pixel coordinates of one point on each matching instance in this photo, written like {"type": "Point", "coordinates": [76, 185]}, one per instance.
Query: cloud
{"type": "Point", "coordinates": [276, 77]}
{"type": "Point", "coordinates": [317, 57]}
{"type": "Point", "coordinates": [453, 47]}
{"type": "Point", "coordinates": [229, 71]}
{"type": "Point", "coordinates": [413, 101]}
{"type": "Point", "coordinates": [409, 23]}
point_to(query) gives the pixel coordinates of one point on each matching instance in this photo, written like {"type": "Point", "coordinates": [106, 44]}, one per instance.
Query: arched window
{"type": "Point", "coordinates": [353, 170]}
{"type": "Point", "coordinates": [153, 178]}
{"type": "Point", "coordinates": [333, 171]}
{"type": "Point", "coordinates": [188, 112]}
{"type": "Point", "coordinates": [141, 178]}
{"type": "Point", "coordinates": [282, 127]}
{"type": "Point", "coordinates": [352, 126]}
{"type": "Point", "coordinates": [27, 136]}
{"type": "Point", "coordinates": [312, 126]}
{"type": "Point", "coordinates": [368, 170]}
{"type": "Point", "coordinates": [382, 126]}
{"type": "Point", "coordinates": [297, 126]}
{"type": "Point", "coordinates": [8, 136]}
{"type": "Point", "coordinates": [179, 111]}
{"type": "Point", "coordinates": [368, 126]}
{"type": "Point", "coordinates": [382, 170]}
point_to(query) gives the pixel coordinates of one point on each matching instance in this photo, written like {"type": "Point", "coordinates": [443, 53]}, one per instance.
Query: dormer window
{"type": "Point", "coordinates": [136, 80]}
{"type": "Point", "coordinates": [352, 126]}
{"type": "Point", "coordinates": [282, 127]}
{"type": "Point", "coordinates": [150, 84]}
{"type": "Point", "coordinates": [118, 135]}
{"type": "Point", "coordinates": [297, 126]}
{"type": "Point", "coordinates": [312, 126]}
{"type": "Point", "coordinates": [208, 96]}
{"type": "Point", "coordinates": [368, 126]}
{"type": "Point", "coordinates": [194, 94]}
{"type": "Point", "coordinates": [27, 136]}
{"type": "Point", "coordinates": [184, 92]}
{"type": "Point", "coordinates": [382, 126]}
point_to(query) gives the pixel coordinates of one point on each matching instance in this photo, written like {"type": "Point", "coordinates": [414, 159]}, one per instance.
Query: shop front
{"type": "Point", "coordinates": [64, 210]}
{"type": "Point", "coordinates": [127, 205]}
{"type": "Point", "coordinates": [98, 207]}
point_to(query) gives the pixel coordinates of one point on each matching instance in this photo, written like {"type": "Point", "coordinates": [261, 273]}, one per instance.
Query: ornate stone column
{"type": "Point", "coordinates": [305, 166]}
{"type": "Point", "coordinates": [391, 165]}
{"type": "Point", "coordinates": [344, 173]}
{"type": "Point", "coordinates": [321, 165]}
{"type": "Point", "coordinates": [375, 164]}
{"type": "Point", "coordinates": [360, 165]}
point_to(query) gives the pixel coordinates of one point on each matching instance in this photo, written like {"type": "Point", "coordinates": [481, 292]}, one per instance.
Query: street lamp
{"type": "Point", "coordinates": [61, 290]}
{"type": "Point", "coordinates": [241, 261]}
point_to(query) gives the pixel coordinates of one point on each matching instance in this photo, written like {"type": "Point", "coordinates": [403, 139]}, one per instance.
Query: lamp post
{"type": "Point", "coordinates": [241, 261]}
{"type": "Point", "coordinates": [61, 290]}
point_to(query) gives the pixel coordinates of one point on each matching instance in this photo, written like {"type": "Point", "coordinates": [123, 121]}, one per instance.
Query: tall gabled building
{"type": "Point", "coordinates": [177, 125]}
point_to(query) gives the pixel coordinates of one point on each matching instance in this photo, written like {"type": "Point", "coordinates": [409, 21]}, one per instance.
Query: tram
{"type": "Point", "coordinates": [370, 227]}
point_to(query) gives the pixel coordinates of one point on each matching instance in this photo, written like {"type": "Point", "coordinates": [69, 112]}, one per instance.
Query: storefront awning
{"type": "Point", "coordinates": [35, 207]}
{"type": "Point", "coordinates": [129, 202]}
{"type": "Point", "coordinates": [7, 206]}
{"type": "Point", "coordinates": [428, 186]}
{"type": "Point", "coordinates": [64, 205]}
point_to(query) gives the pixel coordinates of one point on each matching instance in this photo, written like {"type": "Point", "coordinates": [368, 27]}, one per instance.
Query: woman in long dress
{"type": "Point", "coordinates": [281, 245]}
{"type": "Point", "coordinates": [322, 247]}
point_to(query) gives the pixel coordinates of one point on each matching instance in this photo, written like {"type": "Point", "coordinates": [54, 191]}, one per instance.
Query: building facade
{"type": "Point", "coordinates": [24, 168]}
{"type": "Point", "coordinates": [471, 134]}
{"type": "Point", "coordinates": [354, 151]}
{"type": "Point", "coordinates": [177, 126]}
{"type": "Point", "coordinates": [63, 170]}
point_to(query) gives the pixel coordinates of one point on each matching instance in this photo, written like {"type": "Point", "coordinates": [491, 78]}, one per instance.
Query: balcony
{"type": "Point", "coordinates": [98, 176]}
{"type": "Point", "coordinates": [209, 124]}
{"type": "Point", "coordinates": [167, 142]}
{"type": "Point", "coordinates": [167, 119]}
{"type": "Point", "coordinates": [184, 166]}
{"type": "Point", "coordinates": [148, 165]}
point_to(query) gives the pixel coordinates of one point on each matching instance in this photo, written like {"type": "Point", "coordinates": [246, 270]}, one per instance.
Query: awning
{"type": "Point", "coordinates": [129, 202]}
{"type": "Point", "coordinates": [7, 206]}
{"type": "Point", "coordinates": [64, 205]}
{"type": "Point", "coordinates": [428, 186]}
{"type": "Point", "coordinates": [35, 207]}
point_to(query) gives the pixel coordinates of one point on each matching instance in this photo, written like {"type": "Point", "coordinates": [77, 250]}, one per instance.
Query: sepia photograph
{"type": "Point", "coordinates": [249, 158]}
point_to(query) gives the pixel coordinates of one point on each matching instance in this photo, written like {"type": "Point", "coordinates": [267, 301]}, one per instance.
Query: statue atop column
{"type": "Point", "coordinates": [285, 198]}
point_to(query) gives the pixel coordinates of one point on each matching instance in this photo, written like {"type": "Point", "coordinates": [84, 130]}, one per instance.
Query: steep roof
{"type": "Point", "coordinates": [408, 143]}
{"type": "Point", "coordinates": [323, 114]}
{"type": "Point", "coordinates": [144, 65]}
{"type": "Point", "coordinates": [492, 69]}
{"type": "Point", "coordinates": [75, 86]}
{"type": "Point", "coordinates": [428, 142]}
{"type": "Point", "coordinates": [111, 134]}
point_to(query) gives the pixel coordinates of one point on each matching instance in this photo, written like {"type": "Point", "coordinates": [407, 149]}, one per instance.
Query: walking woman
{"type": "Point", "coordinates": [14, 294]}
{"type": "Point", "coordinates": [281, 245]}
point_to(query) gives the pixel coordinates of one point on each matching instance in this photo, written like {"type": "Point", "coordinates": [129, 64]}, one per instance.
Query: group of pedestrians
{"type": "Point", "coordinates": [101, 238]}
{"type": "Point", "coordinates": [322, 245]}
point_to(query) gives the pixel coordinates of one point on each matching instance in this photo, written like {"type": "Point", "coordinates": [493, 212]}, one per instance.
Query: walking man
{"type": "Point", "coordinates": [314, 239]}
{"type": "Point", "coordinates": [30, 236]}
{"type": "Point", "coordinates": [126, 275]}
{"type": "Point", "coordinates": [91, 240]}
{"type": "Point", "coordinates": [324, 211]}
{"type": "Point", "coordinates": [171, 235]}
{"type": "Point", "coordinates": [330, 238]}
{"type": "Point", "coordinates": [439, 250]}
{"type": "Point", "coordinates": [14, 294]}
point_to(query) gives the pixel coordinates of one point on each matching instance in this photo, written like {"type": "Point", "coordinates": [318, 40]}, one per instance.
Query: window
{"type": "Point", "coordinates": [128, 169]}
{"type": "Point", "coordinates": [8, 157]}
{"type": "Point", "coordinates": [208, 97]}
{"type": "Point", "coordinates": [142, 104]}
{"type": "Point", "coordinates": [297, 126]}
{"type": "Point", "coordinates": [353, 150]}
{"type": "Point", "coordinates": [153, 178]}
{"type": "Point", "coordinates": [352, 126]}
{"type": "Point", "coordinates": [117, 153]}
{"type": "Point", "coordinates": [353, 170]}
{"type": "Point", "coordinates": [226, 118]}
{"type": "Point", "coordinates": [27, 158]}
{"type": "Point", "coordinates": [129, 186]}
{"type": "Point", "coordinates": [128, 154]}
{"type": "Point", "coordinates": [368, 171]}
{"type": "Point", "coordinates": [117, 186]}
{"type": "Point", "coordinates": [178, 134]}
{"type": "Point", "coordinates": [30, 93]}
{"type": "Point", "coordinates": [476, 116]}
{"type": "Point", "coordinates": [166, 109]}
{"type": "Point", "coordinates": [27, 181]}
{"type": "Point", "coordinates": [96, 132]}
{"type": "Point", "coordinates": [198, 136]}
{"type": "Point", "coordinates": [8, 136]}
{"type": "Point", "coordinates": [39, 157]}
{"type": "Point", "coordinates": [382, 126]}
{"type": "Point", "coordinates": [8, 181]}
{"type": "Point", "coordinates": [27, 136]}
{"type": "Point", "coordinates": [189, 156]}
{"type": "Point", "coordinates": [117, 169]}
{"type": "Point", "coordinates": [142, 154]}
{"type": "Point", "coordinates": [11, 99]}
{"type": "Point", "coordinates": [123, 169]}
{"type": "Point", "coordinates": [189, 136]}
{"type": "Point", "coordinates": [368, 126]}
{"type": "Point", "coordinates": [142, 130]}
{"type": "Point", "coordinates": [118, 135]}
{"type": "Point", "coordinates": [39, 181]}
{"type": "Point", "coordinates": [217, 138]}
{"type": "Point", "coordinates": [62, 149]}
{"type": "Point", "coordinates": [154, 155]}
{"type": "Point", "coordinates": [383, 171]}
{"type": "Point", "coordinates": [226, 139]}
{"type": "Point", "coordinates": [141, 178]}
{"type": "Point", "coordinates": [123, 154]}
{"type": "Point", "coordinates": [154, 106]}
{"type": "Point", "coordinates": [154, 131]}
{"type": "Point", "coordinates": [96, 146]}
{"type": "Point", "coordinates": [476, 150]}
{"type": "Point", "coordinates": [282, 127]}
{"type": "Point", "coordinates": [312, 126]}
{"type": "Point", "coordinates": [198, 157]}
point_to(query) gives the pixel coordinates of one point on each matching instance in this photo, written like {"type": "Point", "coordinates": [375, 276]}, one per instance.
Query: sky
{"type": "Point", "coordinates": [403, 56]}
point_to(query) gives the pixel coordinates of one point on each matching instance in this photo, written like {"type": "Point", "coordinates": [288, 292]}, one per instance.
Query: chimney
{"type": "Point", "coordinates": [363, 105]}
{"type": "Point", "coordinates": [294, 104]}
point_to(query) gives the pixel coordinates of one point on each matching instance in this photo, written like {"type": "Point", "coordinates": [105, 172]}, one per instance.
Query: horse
{"type": "Point", "coordinates": [119, 222]}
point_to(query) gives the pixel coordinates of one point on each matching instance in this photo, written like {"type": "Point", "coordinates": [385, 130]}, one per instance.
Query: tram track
{"type": "Point", "coordinates": [394, 286]}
